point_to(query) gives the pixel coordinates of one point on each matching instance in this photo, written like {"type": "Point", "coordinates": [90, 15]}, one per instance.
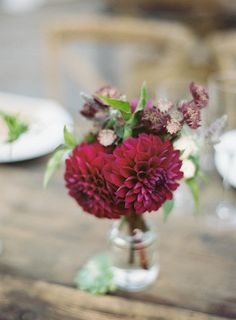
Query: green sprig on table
{"type": "Point", "coordinates": [16, 127]}
{"type": "Point", "coordinates": [96, 276]}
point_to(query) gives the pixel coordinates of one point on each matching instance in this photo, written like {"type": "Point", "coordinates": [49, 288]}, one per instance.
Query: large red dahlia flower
{"type": "Point", "coordinates": [86, 183]}
{"type": "Point", "coordinates": [143, 172]}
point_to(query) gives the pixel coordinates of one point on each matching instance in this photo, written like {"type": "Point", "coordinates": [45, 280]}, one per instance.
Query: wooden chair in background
{"type": "Point", "coordinates": [222, 49]}
{"type": "Point", "coordinates": [97, 50]}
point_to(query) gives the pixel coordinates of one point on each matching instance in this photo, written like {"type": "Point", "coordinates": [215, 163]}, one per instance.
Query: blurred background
{"type": "Point", "coordinates": [56, 48]}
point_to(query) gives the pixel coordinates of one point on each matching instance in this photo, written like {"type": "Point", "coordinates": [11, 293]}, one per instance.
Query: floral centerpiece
{"type": "Point", "coordinates": [129, 165]}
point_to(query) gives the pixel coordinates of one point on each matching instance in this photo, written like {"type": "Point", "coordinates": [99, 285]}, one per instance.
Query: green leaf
{"type": "Point", "coordinates": [90, 137]}
{"type": "Point", "coordinates": [110, 123]}
{"type": "Point", "coordinates": [69, 139]}
{"type": "Point", "coordinates": [123, 106]}
{"type": "Point", "coordinates": [194, 188]}
{"type": "Point", "coordinates": [202, 176]}
{"type": "Point", "coordinates": [143, 98]}
{"type": "Point", "coordinates": [185, 131]}
{"type": "Point", "coordinates": [96, 275]}
{"type": "Point", "coordinates": [15, 126]}
{"type": "Point", "coordinates": [127, 131]}
{"type": "Point", "coordinates": [53, 163]}
{"type": "Point", "coordinates": [130, 124]}
{"type": "Point", "coordinates": [196, 161]}
{"type": "Point", "coordinates": [120, 132]}
{"type": "Point", "coordinates": [167, 208]}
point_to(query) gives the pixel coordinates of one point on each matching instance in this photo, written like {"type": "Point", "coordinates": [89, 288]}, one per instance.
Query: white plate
{"type": "Point", "coordinates": [225, 157]}
{"type": "Point", "coordinates": [46, 120]}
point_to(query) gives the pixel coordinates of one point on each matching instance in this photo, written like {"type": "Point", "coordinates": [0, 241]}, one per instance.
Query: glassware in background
{"type": "Point", "coordinates": [222, 91]}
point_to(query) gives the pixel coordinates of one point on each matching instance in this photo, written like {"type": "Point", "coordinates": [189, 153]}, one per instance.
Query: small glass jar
{"type": "Point", "coordinates": [133, 254]}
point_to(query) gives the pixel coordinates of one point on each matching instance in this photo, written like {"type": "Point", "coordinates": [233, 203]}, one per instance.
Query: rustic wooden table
{"type": "Point", "coordinates": [47, 238]}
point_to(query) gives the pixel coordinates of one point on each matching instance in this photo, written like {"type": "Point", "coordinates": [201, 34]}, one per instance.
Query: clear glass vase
{"type": "Point", "coordinates": [133, 253]}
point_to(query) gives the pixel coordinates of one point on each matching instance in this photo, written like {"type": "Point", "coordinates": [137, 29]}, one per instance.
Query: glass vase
{"type": "Point", "coordinates": [133, 252]}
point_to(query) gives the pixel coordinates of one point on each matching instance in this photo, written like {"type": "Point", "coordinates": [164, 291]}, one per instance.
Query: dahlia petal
{"type": "Point", "coordinates": [121, 192]}
{"type": "Point", "coordinates": [130, 198]}
{"type": "Point", "coordinates": [130, 182]}
{"type": "Point", "coordinates": [126, 171]}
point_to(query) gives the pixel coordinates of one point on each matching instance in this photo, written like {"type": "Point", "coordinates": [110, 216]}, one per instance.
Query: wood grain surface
{"type": "Point", "coordinates": [31, 300]}
{"type": "Point", "coordinates": [47, 237]}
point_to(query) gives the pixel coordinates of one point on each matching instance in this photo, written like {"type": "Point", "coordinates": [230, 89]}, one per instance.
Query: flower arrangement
{"type": "Point", "coordinates": [135, 156]}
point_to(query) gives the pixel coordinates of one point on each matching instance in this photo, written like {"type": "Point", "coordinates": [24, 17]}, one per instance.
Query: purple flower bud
{"type": "Point", "coordinates": [134, 104]}
{"type": "Point", "coordinates": [200, 95]}
{"type": "Point", "coordinates": [164, 105]}
{"type": "Point", "coordinates": [109, 92]}
{"type": "Point", "coordinates": [175, 122]}
{"type": "Point", "coordinates": [191, 114]}
{"type": "Point", "coordinates": [154, 120]}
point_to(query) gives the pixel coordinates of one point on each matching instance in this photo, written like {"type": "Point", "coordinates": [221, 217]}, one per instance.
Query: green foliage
{"type": "Point", "coordinates": [15, 126]}
{"type": "Point", "coordinates": [143, 98]}
{"type": "Point", "coordinates": [167, 208]}
{"type": "Point", "coordinates": [199, 173]}
{"type": "Point", "coordinates": [53, 163]}
{"type": "Point", "coordinates": [202, 176]}
{"type": "Point", "coordinates": [96, 275]}
{"type": "Point", "coordinates": [127, 131]}
{"type": "Point", "coordinates": [56, 159]}
{"type": "Point", "coordinates": [120, 132]}
{"type": "Point", "coordinates": [69, 139]}
{"type": "Point", "coordinates": [196, 161]}
{"type": "Point", "coordinates": [122, 106]}
{"type": "Point", "coordinates": [185, 131]}
{"type": "Point", "coordinates": [132, 121]}
{"type": "Point", "coordinates": [90, 137]}
{"type": "Point", "coordinates": [194, 188]}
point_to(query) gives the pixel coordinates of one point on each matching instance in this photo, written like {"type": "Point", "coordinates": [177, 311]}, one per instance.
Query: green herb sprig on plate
{"type": "Point", "coordinates": [16, 127]}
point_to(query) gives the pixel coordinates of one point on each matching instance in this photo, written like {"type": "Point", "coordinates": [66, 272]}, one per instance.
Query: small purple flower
{"type": "Point", "coordinates": [154, 120]}
{"type": "Point", "coordinates": [106, 91]}
{"type": "Point", "coordinates": [90, 107]}
{"type": "Point", "coordinates": [191, 114]}
{"type": "Point", "coordinates": [164, 105]}
{"type": "Point", "coordinates": [94, 108]}
{"type": "Point", "coordinates": [109, 92]}
{"type": "Point", "coordinates": [175, 122]}
{"type": "Point", "coordinates": [200, 95]}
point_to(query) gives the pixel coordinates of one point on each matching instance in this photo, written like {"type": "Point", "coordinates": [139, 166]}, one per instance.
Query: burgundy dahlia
{"type": "Point", "coordinates": [85, 181]}
{"type": "Point", "coordinates": [143, 172]}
